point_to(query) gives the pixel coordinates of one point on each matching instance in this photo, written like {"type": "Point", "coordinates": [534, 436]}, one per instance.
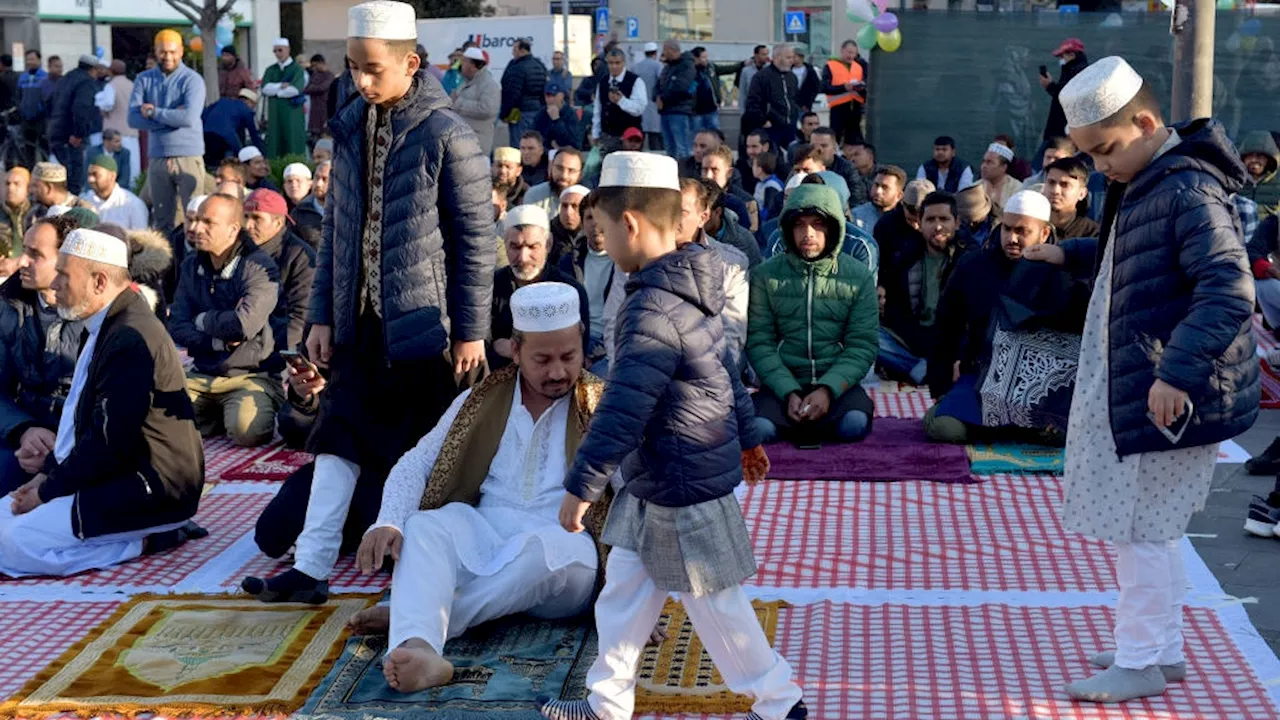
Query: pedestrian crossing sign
{"type": "Point", "coordinates": [797, 23]}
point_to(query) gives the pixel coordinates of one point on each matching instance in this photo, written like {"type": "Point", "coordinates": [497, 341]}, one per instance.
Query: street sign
{"type": "Point", "coordinates": [797, 23]}
{"type": "Point", "coordinates": [633, 27]}
{"type": "Point", "coordinates": [602, 19]}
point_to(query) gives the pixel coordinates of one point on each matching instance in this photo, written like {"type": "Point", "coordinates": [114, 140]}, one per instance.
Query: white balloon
{"type": "Point", "coordinates": [861, 9]}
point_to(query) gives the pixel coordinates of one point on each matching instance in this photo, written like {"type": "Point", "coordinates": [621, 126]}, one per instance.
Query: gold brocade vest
{"type": "Point", "coordinates": [473, 438]}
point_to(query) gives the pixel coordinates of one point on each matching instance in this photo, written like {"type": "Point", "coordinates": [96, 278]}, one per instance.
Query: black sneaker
{"type": "Point", "coordinates": [798, 712]}
{"type": "Point", "coordinates": [1268, 463]}
{"type": "Point", "coordinates": [1262, 519]}
{"type": "Point", "coordinates": [290, 586]}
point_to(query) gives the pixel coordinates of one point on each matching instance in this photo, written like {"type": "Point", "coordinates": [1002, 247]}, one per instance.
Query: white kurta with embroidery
{"type": "Point", "coordinates": [1145, 497]}
{"type": "Point", "coordinates": [519, 499]}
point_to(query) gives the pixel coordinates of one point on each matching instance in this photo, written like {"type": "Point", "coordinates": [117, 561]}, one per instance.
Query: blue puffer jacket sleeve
{"type": "Point", "coordinates": [320, 306]}
{"type": "Point", "coordinates": [466, 219]}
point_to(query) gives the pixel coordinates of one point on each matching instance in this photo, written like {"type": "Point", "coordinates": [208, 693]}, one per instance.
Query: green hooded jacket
{"type": "Point", "coordinates": [812, 322]}
{"type": "Point", "coordinates": [1266, 191]}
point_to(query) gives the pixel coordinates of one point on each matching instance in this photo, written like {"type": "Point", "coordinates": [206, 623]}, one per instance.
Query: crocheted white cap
{"type": "Point", "coordinates": [1028, 203]}
{"type": "Point", "coordinates": [383, 20]}
{"type": "Point", "coordinates": [96, 246]}
{"type": "Point", "coordinates": [1099, 91]}
{"type": "Point", "coordinates": [528, 215]}
{"type": "Point", "coordinates": [638, 169]}
{"type": "Point", "coordinates": [545, 307]}
{"type": "Point", "coordinates": [1002, 150]}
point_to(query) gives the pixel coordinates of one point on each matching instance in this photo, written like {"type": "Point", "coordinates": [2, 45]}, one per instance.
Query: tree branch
{"type": "Point", "coordinates": [182, 6]}
{"type": "Point", "coordinates": [225, 8]}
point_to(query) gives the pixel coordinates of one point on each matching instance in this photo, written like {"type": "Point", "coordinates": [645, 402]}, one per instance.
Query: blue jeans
{"type": "Point", "coordinates": [896, 357]}
{"type": "Point", "coordinates": [853, 426]}
{"type": "Point", "coordinates": [706, 121]}
{"type": "Point", "coordinates": [73, 159]}
{"type": "Point", "coordinates": [677, 135]}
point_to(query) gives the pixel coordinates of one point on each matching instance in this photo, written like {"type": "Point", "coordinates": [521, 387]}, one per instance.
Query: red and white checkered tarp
{"type": "Point", "coordinates": [35, 633]}
{"type": "Point", "coordinates": [906, 403]}
{"type": "Point", "coordinates": [220, 455]}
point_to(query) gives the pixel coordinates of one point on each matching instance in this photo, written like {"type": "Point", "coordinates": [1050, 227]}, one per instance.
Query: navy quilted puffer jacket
{"type": "Point", "coordinates": [672, 416]}
{"type": "Point", "coordinates": [1182, 293]}
{"type": "Point", "coordinates": [437, 237]}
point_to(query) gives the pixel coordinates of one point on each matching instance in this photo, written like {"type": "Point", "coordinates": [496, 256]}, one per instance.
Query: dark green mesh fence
{"type": "Point", "coordinates": [972, 75]}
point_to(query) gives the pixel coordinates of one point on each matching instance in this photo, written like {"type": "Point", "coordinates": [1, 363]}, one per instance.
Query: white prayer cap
{"type": "Point", "coordinates": [1099, 91]}
{"type": "Point", "coordinates": [280, 42]}
{"type": "Point", "coordinates": [1003, 151]}
{"type": "Point", "coordinates": [56, 211]}
{"type": "Point", "coordinates": [574, 190]}
{"type": "Point", "coordinates": [96, 246]}
{"type": "Point", "coordinates": [651, 47]}
{"type": "Point", "coordinates": [249, 152]}
{"type": "Point", "coordinates": [640, 170]}
{"type": "Point", "coordinates": [298, 170]}
{"type": "Point", "coordinates": [795, 181]}
{"type": "Point", "coordinates": [475, 53]}
{"type": "Point", "coordinates": [193, 205]}
{"type": "Point", "coordinates": [528, 215]}
{"type": "Point", "coordinates": [1029, 204]}
{"type": "Point", "coordinates": [545, 307]}
{"type": "Point", "coordinates": [382, 20]}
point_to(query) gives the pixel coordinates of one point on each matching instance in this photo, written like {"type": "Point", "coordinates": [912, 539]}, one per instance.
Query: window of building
{"type": "Point", "coordinates": [686, 19]}
{"type": "Point", "coordinates": [816, 38]}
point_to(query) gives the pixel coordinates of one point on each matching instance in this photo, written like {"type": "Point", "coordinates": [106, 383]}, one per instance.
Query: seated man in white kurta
{"type": "Point", "coordinates": [471, 513]}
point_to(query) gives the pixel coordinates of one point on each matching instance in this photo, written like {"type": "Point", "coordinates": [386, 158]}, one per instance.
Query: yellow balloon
{"type": "Point", "coordinates": [197, 44]}
{"type": "Point", "coordinates": [891, 41]}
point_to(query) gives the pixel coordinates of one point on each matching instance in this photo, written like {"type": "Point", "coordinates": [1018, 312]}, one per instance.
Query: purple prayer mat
{"type": "Point", "coordinates": [897, 449]}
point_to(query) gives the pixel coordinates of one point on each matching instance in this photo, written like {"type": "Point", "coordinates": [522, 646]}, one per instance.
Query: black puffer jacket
{"type": "Point", "coordinates": [523, 85]}
{"type": "Point", "coordinates": [72, 112]}
{"type": "Point", "coordinates": [1181, 292]}
{"type": "Point", "coordinates": [216, 308]}
{"type": "Point", "coordinates": [437, 231]}
{"type": "Point", "coordinates": [34, 377]}
{"type": "Point", "coordinates": [297, 264]}
{"type": "Point", "coordinates": [678, 85]}
{"type": "Point", "coordinates": [1056, 123]}
{"type": "Point", "coordinates": [672, 416]}
{"type": "Point", "coordinates": [771, 98]}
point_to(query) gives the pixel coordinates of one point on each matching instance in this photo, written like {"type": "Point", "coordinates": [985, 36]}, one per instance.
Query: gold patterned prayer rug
{"type": "Point", "coordinates": [194, 656]}
{"type": "Point", "coordinates": [678, 675]}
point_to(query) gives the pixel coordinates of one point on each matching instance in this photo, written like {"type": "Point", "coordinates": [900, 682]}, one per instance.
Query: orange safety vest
{"type": "Point", "coordinates": [841, 75]}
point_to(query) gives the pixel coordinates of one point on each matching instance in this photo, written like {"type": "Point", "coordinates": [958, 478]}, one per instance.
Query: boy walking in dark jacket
{"type": "Point", "coordinates": [667, 422]}
{"type": "Point", "coordinates": [1167, 365]}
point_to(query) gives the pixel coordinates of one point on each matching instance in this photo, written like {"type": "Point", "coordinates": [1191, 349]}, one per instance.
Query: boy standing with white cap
{"type": "Point", "coordinates": [1167, 364]}
{"type": "Point", "coordinates": [665, 424]}
{"type": "Point", "coordinates": [403, 283]}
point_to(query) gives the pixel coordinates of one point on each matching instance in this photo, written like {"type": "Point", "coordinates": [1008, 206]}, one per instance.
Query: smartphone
{"type": "Point", "coordinates": [1044, 71]}
{"type": "Point", "coordinates": [808, 446]}
{"type": "Point", "coordinates": [1174, 432]}
{"type": "Point", "coordinates": [296, 361]}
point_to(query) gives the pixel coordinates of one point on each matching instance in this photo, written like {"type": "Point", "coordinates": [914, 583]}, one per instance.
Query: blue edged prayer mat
{"type": "Point", "coordinates": [500, 669]}
{"type": "Point", "coordinates": [1014, 458]}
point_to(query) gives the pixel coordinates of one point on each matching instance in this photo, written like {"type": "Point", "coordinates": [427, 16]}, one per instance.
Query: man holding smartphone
{"type": "Point", "coordinates": [1071, 58]}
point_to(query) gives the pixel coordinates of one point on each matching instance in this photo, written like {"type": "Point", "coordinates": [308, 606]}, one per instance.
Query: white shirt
{"type": "Point", "coordinates": [120, 207]}
{"type": "Point", "coordinates": [66, 439]}
{"type": "Point", "coordinates": [519, 498]}
{"type": "Point", "coordinates": [966, 178]}
{"type": "Point", "coordinates": [633, 105]}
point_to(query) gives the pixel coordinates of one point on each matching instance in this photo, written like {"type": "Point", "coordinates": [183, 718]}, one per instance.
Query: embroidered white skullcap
{"type": "Point", "coordinates": [297, 169]}
{"type": "Point", "coordinates": [1099, 91]}
{"type": "Point", "coordinates": [249, 152]}
{"type": "Point", "coordinates": [1002, 150]}
{"type": "Point", "coordinates": [574, 190]}
{"type": "Point", "coordinates": [506, 154]}
{"type": "Point", "coordinates": [795, 181]}
{"type": "Point", "coordinates": [545, 307]}
{"type": "Point", "coordinates": [651, 47]}
{"type": "Point", "coordinates": [640, 170]}
{"type": "Point", "coordinates": [528, 215]}
{"type": "Point", "coordinates": [1029, 204]}
{"type": "Point", "coordinates": [193, 205]}
{"type": "Point", "coordinates": [96, 246]}
{"type": "Point", "coordinates": [383, 20]}
{"type": "Point", "coordinates": [280, 42]}
{"type": "Point", "coordinates": [475, 53]}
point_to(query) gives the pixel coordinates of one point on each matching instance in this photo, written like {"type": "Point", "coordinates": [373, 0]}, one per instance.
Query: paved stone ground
{"type": "Point", "coordinates": [1247, 566]}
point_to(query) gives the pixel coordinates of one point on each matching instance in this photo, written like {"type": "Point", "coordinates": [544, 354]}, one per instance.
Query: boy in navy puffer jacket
{"type": "Point", "coordinates": [676, 422]}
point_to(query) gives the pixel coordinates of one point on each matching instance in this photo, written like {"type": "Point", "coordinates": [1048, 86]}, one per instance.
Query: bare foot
{"type": "Point", "coordinates": [371, 621]}
{"type": "Point", "coordinates": [416, 666]}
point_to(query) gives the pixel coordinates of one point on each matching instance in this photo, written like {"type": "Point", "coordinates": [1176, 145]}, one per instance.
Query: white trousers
{"type": "Point", "coordinates": [1269, 300]}
{"type": "Point", "coordinates": [41, 542]}
{"type": "Point", "coordinates": [626, 613]}
{"type": "Point", "coordinates": [435, 599]}
{"type": "Point", "coordinates": [1153, 586]}
{"type": "Point", "coordinates": [332, 485]}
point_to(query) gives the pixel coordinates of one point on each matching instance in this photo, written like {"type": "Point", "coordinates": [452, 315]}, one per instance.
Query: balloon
{"type": "Point", "coordinates": [890, 41]}
{"type": "Point", "coordinates": [886, 23]}
{"type": "Point", "coordinates": [867, 37]}
{"type": "Point", "coordinates": [197, 44]}
{"type": "Point", "coordinates": [100, 52]}
{"type": "Point", "coordinates": [881, 5]}
{"type": "Point", "coordinates": [861, 9]}
{"type": "Point", "coordinates": [225, 35]}
{"type": "Point", "coordinates": [1251, 27]}
{"type": "Point", "coordinates": [195, 29]}
{"type": "Point", "coordinates": [217, 49]}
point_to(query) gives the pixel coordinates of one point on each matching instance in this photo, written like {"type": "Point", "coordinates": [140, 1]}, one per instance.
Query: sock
{"type": "Point", "coordinates": [289, 586]}
{"type": "Point", "coordinates": [170, 539]}
{"type": "Point", "coordinates": [1172, 673]}
{"type": "Point", "coordinates": [566, 709]}
{"type": "Point", "coordinates": [1117, 684]}
{"type": "Point", "coordinates": [798, 712]}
